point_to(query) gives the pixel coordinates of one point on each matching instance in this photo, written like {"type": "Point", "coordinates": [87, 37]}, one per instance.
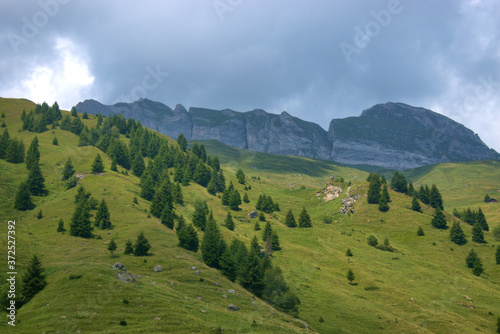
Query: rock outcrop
{"type": "Point", "coordinates": [390, 135]}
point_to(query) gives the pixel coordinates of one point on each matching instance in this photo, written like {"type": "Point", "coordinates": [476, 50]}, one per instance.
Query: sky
{"type": "Point", "coordinates": [317, 60]}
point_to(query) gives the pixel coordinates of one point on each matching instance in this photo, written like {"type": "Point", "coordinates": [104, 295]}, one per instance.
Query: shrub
{"type": "Point", "coordinates": [71, 182]}
{"type": "Point", "coordinates": [372, 240]}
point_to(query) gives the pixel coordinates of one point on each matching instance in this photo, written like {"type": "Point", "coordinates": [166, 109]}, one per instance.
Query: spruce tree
{"type": "Point", "coordinates": [374, 189]}
{"type": "Point", "coordinates": [256, 227]}
{"type": "Point", "coordinates": [80, 221]}
{"type": "Point", "coordinates": [212, 186]}
{"type": "Point", "coordinates": [15, 151]}
{"type": "Point", "coordinates": [235, 200]}
{"type": "Point", "coordinates": [36, 181]}
{"type": "Point", "coordinates": [22, 200]}
{"type": "Point", "coordinates": [102, 218]}
{"type": "Point", "coordinates": [290, 219]}
{"type": "Point", "coordinates": [385, 194]}
{"type": "Point", "coordinates": [245, 198]}
{"type": "Point", "coordinates": [481, 220]}
{"type": "Point", "coordinates": [228, 267]}
{"type": "Point", "coordinates": [4, 143]}
{"type": "Point", "coordinates": [177, 195]}
{"type": "Point", "coordinates": [60, 226]}
{"type": "Point", "coordinates": [226, 194]}
{"type": "Point", "coordinates": [415, 205]}
{"type": "Point", "coordinates": [253, 273]}
{"type": "Point", "coordinates": [97, 165]}
{"type": "Point", "coordinates": [304, 218]}
{"type": "Point", "coordinates": [240, 176]}
{"type": "Point", "coordinates": [142, 246]}
{"type": "Point", "coordinates": [497, 255]}
{"type": "Point", "coordinates": [74, 112]}
{"type": "Point", "coordinates": [398, 183]}
{"type": "Point", "coordinates": [33, 281]}
{"type": "Point", "coordinates": [181, 140]}
{"type": "Point", "coordinates": [424, 194]}
{"type": "Point", "coordinates": [383, 206]}
{"type": "Point", "coordinates": [113, 166]}
{"type": "Point", "coordinates": [420, 231]}
{"type": "Point", "coordinates": [457, 235]}
{"type": "Point", "coordinates": [471, 258]}
{"type": "Point", "coordinates": [147, 186]}
{"type": "Point", "coordinates": [350, 276]}
{"type": "Point", "coordinates": [477, 268]}
{"type": "Point", "coordinates": [138, 165]}
{"type": "Point", "coordinates": [267, 231]}
{"type": "Point", "coordinates": [55, 142]}
{"type": "Point", "coordinates": [262, 217]}
{"type": "Point", "coordinates": [33, 154]}
{"type": "Point", "coordinates": [439, 220]}
{"type": "Point", "coordinates": [229, 222]}
{"type": "Point", "coordinates": [212, 245]}
{"type": "Point", "coordinates": [477, 233]}
{"type": "Point", "coordinates": [411, 190]}
{"type": "Point", "coordinates": [162, 198]}
{"type": "Point", "coordinates": [129, 249]}
{"type": "Point", "coordinates": [112, 246]}
{"type": "Point", "coordinates": [469, 217]}
{"type": "Point", "coordinates": [200, 215]}
{"type": "Point", "coordinates": [487, 198]}
{"type": "Point", "coordinates": [274, 241]}
{"type": "Point", "coordinates": [188, 238]}
{"type": "Point", "coordinates": [435, 198]}
{"type": "Point", "coordinates": [167, 217]}
{"type": "Point", "coordinates": [348, 253]}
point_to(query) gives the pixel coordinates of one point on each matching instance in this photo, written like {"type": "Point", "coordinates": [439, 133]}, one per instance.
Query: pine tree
{"type": "Point", "coordinates": [200, 215]}
{"type": "Point", "coordinates": [304, 218]}
{"type": "Point", "coordinates": [420, 231]}
{"type": "Point", "coordinates": [55, 142]}
{"type": "Point", "coordinates": [274, 241]}
{"type": "Point", "coordinates": [471, 258]}
{"type": "Point", "coordinates": [80, 222]}
{"type": "Point", "coordinates": [457, 235]}
{"type": "Point", "coordinates": [253, 274]}
{"type": "Point", "coordinates": [167, 217]}
{"type": "Point", "coordinates": [97, 165]}
{"type": "Point", "coordinates": [424, 194]}
{"type": "Point", "coordinates": [22, 200]}
{"type": "Point", "coordinates": [147, 186]}
{"type": "Point", "coordinates": [163, 197]}
{"type": "Point", "coordinates": [228, 267]}
{"type": "Point", "coordinates": [477, 268]}
{"type": "Point", "coordinates": [188, 238]}
{"type": "Point", "coordinates": [374, 189]}
{"type": "Point", "coordinates": [350, 276]}
{"type": "Point", "coordinates": [15, 151]}
{"type": "Point", "coordinates": [256, 227]}
{"type": "Point", "coordinates": [113, 166]}
{"type": "Point", "coordinates": [177, 195]}
{"type": "Point", "coordinates": [33, 281]}
{"type": "Point", "coordinates": [4, 143]}
{"type": "Point", "coordinates": [235, 200]}
{"type": "Point", "coordinates": [469, 217]}
{"type": "Point", "coordinates": [112, 246]}
{"type": "Point", "coordinates": [411, 190]}
{"type": "Point", "coordinates": [415, 205]}
{"type": "Point", "coordinates": [142, 246]}
{"type": "Point", "coordinates": [240, 176]}
{"type": "Point", "coordinates": [435, 198]}
{"type": "Point", "coordinates": [383, 206]}
{"type": "Point", "coordinates": [138, 165]}
{"type": "Point", "coordinates": [477, 233]}
{"type": "Point", "coordinates": [73, 112]}
{"type": "Point", "coordinates": [226, 194]}
{"type": "Point", "coordinates": [439, 220]}
{"type": "Point", "coordinates": [481, 220]}
{"type": "Point", "coordinates": [348, 253]}
{"type": "Point", "coordinates": [267, 231]}
{"type": "Point", "coordinates": [60, 226]}
{"type": "Point", "coordinates": [202, 174]}
{"type": "Point", "coordinates": [398, 183]}
{"type": "Point", "coordinates": [212, 186]}
{"type": "Point", "coordinates": [497, 255]}
{"type": "Point", "coordinates": [36, 181]}
{"type": "Point", "coordinates": [262, 217]}
{"type": "Point", "coordinates": [229, 222]}
{"type": "Point", "coordinates": [245, 198]}
{"type": "Point", "coordinates": [102, 218]}
{"type": "Point", "coordinates": [290, 219]}
{"type": "Point", "coordinates": [33, 154]}
{"type": "Point", "coordinates": [181, 140]}
{"type": "Point", "coordinates": [212, 245]}
{"type": "Point", "coordinates": [385, 194]}
{"type": "Point", "coordinates": [128, 248]}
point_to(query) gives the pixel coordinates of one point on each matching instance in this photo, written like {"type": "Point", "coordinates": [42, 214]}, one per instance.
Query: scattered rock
{"type": "Point", "coordinates": [126, 277]}
{"type": "Point", "coordinates": [253, 214]}
{"type": "Point", "coordinates": [138, 276]}
{"type": "Point", "coordinates": [199, 298]}
{"type": "Point", "coordinates": [329, 192]}
{"type": "Point", "coordinates": [216, 283]}
{"type": "Point", "coordinates": [194, 268]}
{"type": "Point", "coordinates": [254, 303]}
{"type": "Point", "coordinates": [348, 203]}
{"type": "Point", "coordinates": [203, 311]}
{"type": "Point", "coordinates": [231, 307]}
{"type": "Point", "coordinates": [197, 272]}
{"type": "Point", "coordinates": [119, 266]}
{"type": "Point", "coordinates": [230, 291]}
{"type": "Point", "coordinates": [158, 268]}
{"type": "Point", "coordinates": [157, 318]}
{"type": "Point", "coordinates": [224, 296]}
{"type": "Point", "coordinates": [303, 323]}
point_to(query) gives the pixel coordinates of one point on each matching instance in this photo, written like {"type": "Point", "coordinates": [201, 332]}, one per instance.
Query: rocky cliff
{"type": "Point", "coordinates": [390, 135]}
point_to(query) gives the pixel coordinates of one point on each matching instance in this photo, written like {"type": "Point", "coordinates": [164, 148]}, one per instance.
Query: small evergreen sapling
{"type": "Point", "coordinates": [290, 219]}
{"type": "Point", "coordinates": [229, 222]}
{"type": "Point", "coordinates": [97, 165]}
{"type": "Point", "coordinates": [415, 205]}
{"type": "Point", "coordinates": [142, 246]}
{"type": "Point", "coordinates": [60, 226]}
{"type": "Point", "coordinates": [350, 276]}
{"type": "Point", "coordinates": [420, 231]}
{"type": "Point", "coordinates": [112, 246]}
{"type": "Point", "coordinates": [128, 248]}
{"type": "Point", "coordinates": [477, 233]}
{"type": "Point", "coordinates": [348, 253]}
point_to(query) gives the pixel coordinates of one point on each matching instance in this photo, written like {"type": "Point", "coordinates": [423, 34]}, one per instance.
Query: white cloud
{"type": "Point", "coordinates": [66, 79]}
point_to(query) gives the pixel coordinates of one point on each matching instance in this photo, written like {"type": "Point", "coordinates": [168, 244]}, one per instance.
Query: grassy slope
{"type": "Point", "coordinates": [420, 287]}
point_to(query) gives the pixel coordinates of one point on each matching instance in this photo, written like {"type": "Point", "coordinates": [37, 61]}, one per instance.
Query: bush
{"type": "Point", "coordinates": [71, 182]}
{"type": "Point", "coordinates": [372, 241]}
{"type": "Point", "coordinates": [327, 220]}
{"type": "Point", "coordinates": [123, 323]}
{"type": "Point", "coordinates": [74, 276]}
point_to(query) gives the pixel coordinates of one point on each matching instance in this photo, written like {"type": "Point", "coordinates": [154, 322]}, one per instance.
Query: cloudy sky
{"type": "Point", "coordinates": [317, 60]}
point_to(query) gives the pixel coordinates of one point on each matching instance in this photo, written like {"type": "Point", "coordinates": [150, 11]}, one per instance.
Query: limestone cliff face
{"type": "Point", "coordinates": [390, 135]}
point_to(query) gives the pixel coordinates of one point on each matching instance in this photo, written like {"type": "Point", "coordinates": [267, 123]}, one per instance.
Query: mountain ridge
{"type": "Point", "coordinates": [389, 135]}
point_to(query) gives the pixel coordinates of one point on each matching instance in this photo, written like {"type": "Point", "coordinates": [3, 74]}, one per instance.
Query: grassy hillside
{"type": "Point", "coordinates": [419, 288]}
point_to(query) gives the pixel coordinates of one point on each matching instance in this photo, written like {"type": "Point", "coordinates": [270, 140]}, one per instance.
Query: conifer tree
{"type": "Point", "coordinates": [350, 276]}
{"type": "Point", "coordinates": [177, 195]}
{"type": "Point", "coordinates": [113, 166]}
{"type": "Point", "coordinates": [226, 194]}
{"type": "Point", "coordinates": [415, 205]}
{"type": "Point", "coordinates": [202, 174]}
{"type": "Point", "coordinates": [229, 222]}
{"type": "Point", "coordinates": [374, 189]}
{"type": "Point", "coordinates": [212, 245]}
{"type": "Point", "coordinates": [212, 186]}
{"type": "Point", "coordinates": [385, 194]}
{"type": "Point", "coordinates": [15, 151]}
{"type": "Point", "coordinates": [167, 217]}
{"type": "Point", "coordinates": [398, 183]}
{"type": "Point", "coordinates": [435, 198]}
{"type": "Point", "coordinates": [240, 176]}
{"type": "Point", "coordinates": [235, 200]}
{"type": "Point", "coordinates": [469, 217]}
{"type": "Point", "coordinates": [245, 198]}
{"type": "Point", "coordinates": [188, 238]}
{"type": "Point", "coordinates": [411, 190]}
{"type": "Point", "coordinates": [102, 218]}
{"type": "Point", "coordinates": [477, 233]}
{"type": "Point", "coordinates": [163, 197]}
{"type": "Point", "coordinates": [73, 112]}
{"type": "Point", "coordinates": [181, 140]}
{"type": "Point", "coordinates": [22, 200]}
{"type": "Point", "coordinates": [215, 163]}
{"type": "Point", "coordinates": [471, 258]}
{"type": "Point", "coordinates": [112, 246]}
{"type": "Point", "coordinates": [348, 253]}
{"type": "Point", "coordinates": [457, 235]}
{"type": "Point", "coordinates": [439, 220]}
{"type": "Point", "coordinates": [4, 143]}
{"type": "Point", "coordinates": [138, 165]}
{"type": "Point", "coordinates": [142, 246]}
{"type": "Point", "coordinates": [33, 154]}
{"type": "Point", "coordinates": [256, 227]}
{"type": "Point", "coordinates": [477, 268]}
{"type": "Point", "coordinates": [290, 219]}
{"type": "Point", "coordinates": [487, 198]}
{"type": "Point", "coordinates": [55, 142]}
{"type": "Point", "coordinates": [228, 267]}
{"type": "Point", "coordinates": [262, 217]}
{"type": "Point", "coordinates": [60, 226]}
{"type": "Point", "coordinates": [147, 186]}
{"type": "Point", "coordinates": [36, 181]}
{"type": "Point", "coordinates": [304, 218]}
{"type": "Point", "coordinates": [497, 255]}
{"type": "Point", "coordinates": [481, 220]}
{"type": "Point", "coordinates": [420, 231]}
{"type": "Point", "coordinates": [424, 194]}
{"type": "Point", "coordinates": [129, 249]}
{"type": "Point", "coordinates": [383, 206]}
{"type": "Point", "coordinates": [200, 215]}
{"type": "Point", "coordinates": [80, 222]}
{"type": "Point", "coordinates": [267, 231]}
{"type": "Point", "coordinates": [274, 241]}
{"type": "Point", "coordinates": [97, 165]}
{"type": "Point", "coordinates": [253, 275]}
{"type": "Point", "coordinates": [33, 281]}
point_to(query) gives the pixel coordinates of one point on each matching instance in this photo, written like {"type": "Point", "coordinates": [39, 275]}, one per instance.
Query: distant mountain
{"type": "Point", "coordinates": [389, 135]}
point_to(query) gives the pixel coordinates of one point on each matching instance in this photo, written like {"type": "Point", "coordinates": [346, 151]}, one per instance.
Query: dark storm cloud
{"type": "Point", "coordinates": [318, 60]}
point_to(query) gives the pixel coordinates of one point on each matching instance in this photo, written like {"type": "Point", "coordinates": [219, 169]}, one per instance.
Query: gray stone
{"type": "Point", "coordinates": [126, 277]}
{"type": "Point", "coordinates": [224, 296]}
{"type": "Point", "coordinates": [230, 291]}
{"type": "Point", "coordinates": [231, 307]}
{"type": "Point", "coordinates": [197, 272]}
{"type": "Point", "coordinates": [158, 268]}
{"type": "Point", "coordinates": [194, 268]}
{"type": "Point", "coordinates": [253, 214]}
{"type": "Point", "coordinates": [119, 266]}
